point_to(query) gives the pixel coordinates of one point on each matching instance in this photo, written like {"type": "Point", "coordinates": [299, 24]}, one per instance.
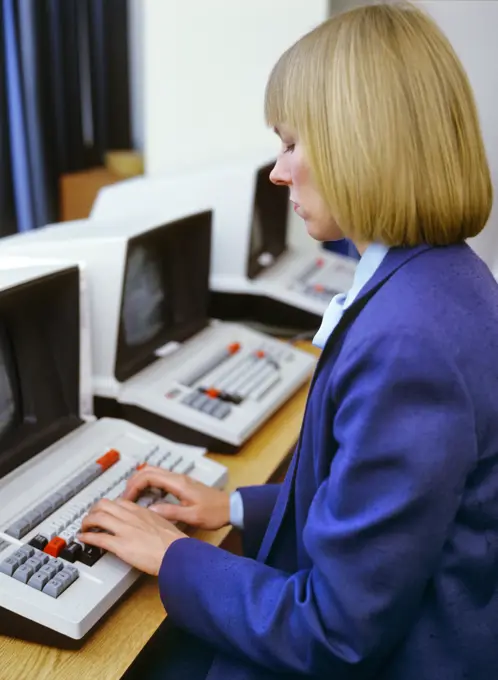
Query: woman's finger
{"type": "Point", "coordinates": [105, 521]}
{"type": "Point", "coordinates": [175, 513]}
{"type": "Point", "coordinates": [169, 482]}
{"type": "Point", "coordinates": [106, 542]}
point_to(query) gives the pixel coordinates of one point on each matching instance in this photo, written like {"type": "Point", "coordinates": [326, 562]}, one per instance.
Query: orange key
{"type": "Point", "coordinates": [212, 392]}
{"type": "Point", "coordinates": [108, 459]}
{"type": "Point", "coordinates": [260, 354]}
{"type": "Point", "coordinates": [319, 288]}
{"type": "Point", "coordinates": [233, 348]}
{"type": "Point", "coordinates": [55, 547]}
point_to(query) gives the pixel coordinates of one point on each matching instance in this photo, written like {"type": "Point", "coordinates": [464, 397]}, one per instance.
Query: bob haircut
{"type": "Point", "coordinates": [388, 123]}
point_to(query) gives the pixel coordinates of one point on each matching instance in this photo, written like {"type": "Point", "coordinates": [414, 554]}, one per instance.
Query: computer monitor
{"type": "Point", "coordinates": [268, 231]}
{"type": "Point", "coordinates": [172, 257]}
{"type": "Point", "coordinates": [130, 267]}
{"type": "Point", "coordinates": [39, 360]}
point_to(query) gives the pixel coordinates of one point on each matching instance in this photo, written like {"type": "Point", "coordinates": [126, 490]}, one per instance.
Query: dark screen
{"type": "Point", "coordinates": [269, 222]}
{"type": "Point", "coordinates": [39, 365]}
{"type": "Point", "coordinates": [165, 291]}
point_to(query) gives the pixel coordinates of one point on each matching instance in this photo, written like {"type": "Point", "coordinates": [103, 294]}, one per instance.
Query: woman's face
{"type": "Point", "coordinates": [292, 170]}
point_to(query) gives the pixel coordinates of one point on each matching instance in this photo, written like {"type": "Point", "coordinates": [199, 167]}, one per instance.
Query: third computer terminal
{"type": "Point", "coordinates": [55, 463]}
{"type": "Point", "coordinates": [159, 361]}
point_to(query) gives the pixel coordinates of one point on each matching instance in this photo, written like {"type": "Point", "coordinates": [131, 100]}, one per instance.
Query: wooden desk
{"type": "Point", "coordinates": [119, 639]}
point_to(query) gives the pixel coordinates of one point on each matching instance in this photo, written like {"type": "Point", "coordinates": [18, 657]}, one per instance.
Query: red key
{"type": "Point", "coordinates": [233, 348]}
{"type": "Point", "coordinates": [319, 288]}
{"type": "Point", "coordinates": [55, 547]}
{"type": "Point", "coordinates": [108, 459]}
{"type": "Point", "coordinates": [320, 262]}
{"type": "Point", "coordinates": [141, 466]}
{"type": "Point", "coordinates": [212, 392]}
{"type": "Point", "coordinates": [260, 354]}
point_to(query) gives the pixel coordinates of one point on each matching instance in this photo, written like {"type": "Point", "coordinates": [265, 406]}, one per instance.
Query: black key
{"type": "Point", "coordinates": [90, 555]}
{"type": "Point", "coordinates": [39, 542]}
{"type": "Point", "coordinates": [72, 552]}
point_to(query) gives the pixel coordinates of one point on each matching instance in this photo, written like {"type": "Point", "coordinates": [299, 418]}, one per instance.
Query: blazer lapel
{"type": "Point", "coordinates": [395, 258]}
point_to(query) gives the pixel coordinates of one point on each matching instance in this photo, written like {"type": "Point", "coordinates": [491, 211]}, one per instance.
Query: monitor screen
{"type": "Point", "coordinates": [165, 290]}
{"type": "Point", "coordinates": [144, 297]}
{"type": "Point", "coordinates": [268, 237]}
{"type": "Point", "coordinates": [39, 365]}
{"type": "Point", "coordinates": [7, 400]}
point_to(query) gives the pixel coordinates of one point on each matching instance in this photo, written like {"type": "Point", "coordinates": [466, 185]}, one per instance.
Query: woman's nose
{"type": "Point", "coordinates": [280, 173]}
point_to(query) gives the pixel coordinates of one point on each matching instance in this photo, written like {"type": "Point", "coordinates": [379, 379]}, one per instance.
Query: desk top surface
{"type": "Point", "coordinates": [117, 641]}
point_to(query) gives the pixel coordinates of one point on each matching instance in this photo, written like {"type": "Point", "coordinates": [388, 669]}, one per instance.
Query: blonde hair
{"type": "Point", "coordinates": [388, 122]}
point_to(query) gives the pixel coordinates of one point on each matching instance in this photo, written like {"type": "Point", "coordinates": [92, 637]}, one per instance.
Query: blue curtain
{"type": "Point", "coordinates": [63, 80]}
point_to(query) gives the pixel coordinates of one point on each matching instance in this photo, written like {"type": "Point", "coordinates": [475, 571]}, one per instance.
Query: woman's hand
{"type": "Point", "coordinates": [137, 536]}
{"type": "Point", "coordinates": [199, 505]}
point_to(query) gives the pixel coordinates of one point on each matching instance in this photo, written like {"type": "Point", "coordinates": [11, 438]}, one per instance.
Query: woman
{"type": "Point", "coordinates": [378, 555]}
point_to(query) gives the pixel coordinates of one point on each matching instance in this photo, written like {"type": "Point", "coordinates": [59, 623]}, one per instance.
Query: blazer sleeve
{"type": "Point", "coordinates": [405, 432]}
{"type": "Point", "coordinates": [258, 502]}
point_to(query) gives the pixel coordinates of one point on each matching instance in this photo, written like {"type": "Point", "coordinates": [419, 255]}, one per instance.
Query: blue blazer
{"type": "Point", "coordinates": [378, 555]}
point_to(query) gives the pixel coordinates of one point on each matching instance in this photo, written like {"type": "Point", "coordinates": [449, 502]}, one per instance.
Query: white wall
{"type": "Point", "coordinates": [206, 66]}
{"type": "Point", "coordinates": [206, 63]}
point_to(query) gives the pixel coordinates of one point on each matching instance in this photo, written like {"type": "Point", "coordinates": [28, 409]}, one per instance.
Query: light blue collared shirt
{"type": "Point", "coordinates": [366, 268]}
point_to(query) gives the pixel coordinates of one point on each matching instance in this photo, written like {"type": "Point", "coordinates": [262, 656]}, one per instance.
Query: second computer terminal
{"type": "Point", "coordinates": [256, 276]}
{"type": "Point", "coordinates": [55, 464]}
{"type": "Point", "coordinates": [158, 359]}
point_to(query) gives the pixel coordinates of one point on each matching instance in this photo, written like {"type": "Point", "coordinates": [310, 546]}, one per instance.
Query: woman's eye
{"type": "Point", "coordinates": [289, 148]}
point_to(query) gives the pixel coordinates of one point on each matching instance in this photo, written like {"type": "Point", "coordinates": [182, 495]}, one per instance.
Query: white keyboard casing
{"type": "Point", "coordinates": [98, 587]}
{"type": "Point", "coordinates": [161, 387]}
{"type": "Point", "coordinates": [291, 277]}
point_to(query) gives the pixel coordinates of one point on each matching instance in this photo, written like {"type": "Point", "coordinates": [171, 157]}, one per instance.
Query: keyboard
{"type": "Point", "coordinates": [308, 281]}
{"type": "Point", "coordinates": [220, 385]}
{"type": "Point", "coordinates": [46, 575]}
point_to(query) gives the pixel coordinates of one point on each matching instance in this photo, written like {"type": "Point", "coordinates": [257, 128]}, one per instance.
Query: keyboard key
{"type": "Point", "coordinates": [39, 580]}
{"type": "Point", "coordinates": [66, 578]}
{"type": "Point", "coordinates": [49, 570]}
{"type": "Point", "coordinates": [24, 573]}
{"type": "Point", "coordinates": [54, 587]}
{"type": "Point", "coordinates": [72, 552]}
{"type": "Point", "coordinates": [18, 529]}
{"type": "Point", "coordinates": [222, 411]}
{"type": "Point", "coordinates": [39, 542]}
{"type": "Point", "coordinates": [55, 547]}
{"type": "Point", "coordinates": [26, 550]}
{"type": "Point", "coordinates": [3, 545]}
{"type": "Point", "coordinates": [109, 459]}
{"type": "Point", "coordinates": [57, 563]}
{"type": "Point", "coordinates": [21, 556]}
{"type": "Point", "coordinates": [90, 555]}
{"type": "Point", "coordinates": [35, 562]}
{"type": "Point", "coordinates": [9, 565]}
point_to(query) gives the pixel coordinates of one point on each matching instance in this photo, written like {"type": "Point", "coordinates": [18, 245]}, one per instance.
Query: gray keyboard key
{"type": "Point", "coordinates": [26, 550]}
{"type": "Point", "coordinates": [3, 545]}
{"type": "Point", "coordinates": [39, 580]}
{"type": "Point", "coordinates": [21, 555]}
{"type": "Point", "coordinates": [66, 578]}
{"type": "Point", "coordinates": [24, 573]}
{"type": "Point", "coordinates": [56, 500]}
{"type": "Point", "coordinates": [49, 570]}
{"type": "Point", "coordinates": [54, 587]}
{"type": "Point", "coordinates": [18, 529]}
{"type": "Point", "coordinates": [57, 563]}
{"type": "Point", "coordinates": [221, 411]}
{"type": "Point", "coordinates": [72, 571]}
{"type": "Point", "coordinates": [9, 565]}
{"type": "Point", "coordinates": [200, 401]}
{"type": "Point", "coordinates": [210, 407]}
{"type": "Point", "coordinates": [34, 562]}
{"type": "Point", "coordinates": [189, 398]}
